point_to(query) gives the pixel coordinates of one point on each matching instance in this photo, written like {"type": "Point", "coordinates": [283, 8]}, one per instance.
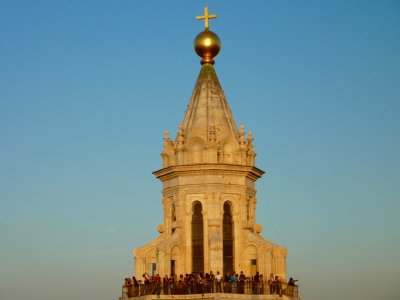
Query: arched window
{"type": "Point", "coordinates": [197, 238]}
{"type": "Point", "coordinates": [228, 240]}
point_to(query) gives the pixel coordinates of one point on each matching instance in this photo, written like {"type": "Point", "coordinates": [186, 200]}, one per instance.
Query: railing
{"type": "Point", "coordinates": [181, 288]}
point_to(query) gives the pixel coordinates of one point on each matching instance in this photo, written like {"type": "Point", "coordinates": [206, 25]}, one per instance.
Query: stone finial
{"type": "Point", "coordinates": [250, 138]}
{"type": "Point", "coordinates": [166, 147]}
{"type": "Point", "coordinates": [166, 135]}
{"type": "Point", "coordinates": [250, 151]}
{"type": "Point", "coordinates": [180, 137]}
{"type": "Point", "coordinates": [161, 228]}
{"type": "Point", "coordinates": [166, 138]}
{"type": "Point", "coordinates": [242, 140]}
{"type": "Point", "coordinates": [258, 228]}
{"type": "Point", "coordinates": [241, 130]}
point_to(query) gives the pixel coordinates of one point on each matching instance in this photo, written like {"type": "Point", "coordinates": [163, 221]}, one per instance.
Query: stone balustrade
{"type": "Point", "coordinates": [180, 288]}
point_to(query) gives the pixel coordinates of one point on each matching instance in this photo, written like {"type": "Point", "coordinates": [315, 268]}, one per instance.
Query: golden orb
{"type": "Point", "coordinates": [207, 45]}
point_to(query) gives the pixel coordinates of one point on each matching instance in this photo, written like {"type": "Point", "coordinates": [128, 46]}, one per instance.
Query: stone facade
{"type": "Point", "coordinates": [209, 196]}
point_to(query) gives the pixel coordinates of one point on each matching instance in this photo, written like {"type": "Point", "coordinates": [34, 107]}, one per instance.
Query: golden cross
{"type": "Point", "coordinates": [206, 17]}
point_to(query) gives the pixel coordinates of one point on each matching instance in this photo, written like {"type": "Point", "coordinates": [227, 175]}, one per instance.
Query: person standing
{"type": "Point", "coordinates": [271, 283]}
{"type": "Point", "coordinates": [212, 279]}
{"type": "Point", "coordinates": [278, 285]}
{"type": "Point", "coordinates": [218, 281]}
{"type": "Point", "coordinates": [143, 283]}
{"type": "Point", "coordinates": [227, 282]}
{"type": "Point", "coordinates": [165, 285]}
{"type": "Point", "coordinates": [157, 281]}
{"type": "Point", "coordinates": [261, 285]}
{"type": "Point", "coordinates": [200, 283]}
{"type": "Point", "coordinates": [171, 283]}
{"type": "Point", "coordinates": [256, 280]}
{"type": "Point", "coordinates": [242, 280]}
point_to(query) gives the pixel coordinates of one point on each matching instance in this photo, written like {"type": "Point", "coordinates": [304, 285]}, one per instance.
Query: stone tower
{"type": "Point", "coordinates": [209, 196]}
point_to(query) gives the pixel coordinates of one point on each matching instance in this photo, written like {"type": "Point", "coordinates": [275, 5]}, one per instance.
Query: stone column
{"type": "Point", "coordinates": [206, 244]}
{"type": "Point", "coordinates": [215, 245]}
{"type": "Point", "coordinates": [187, 257]}
{"type": "Point", "coordinates": [214, 232]}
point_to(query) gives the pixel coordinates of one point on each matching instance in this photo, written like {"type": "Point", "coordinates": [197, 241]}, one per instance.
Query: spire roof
{"type": "Point", "coordinates": [208, 133]}
{"type": "Point", "coordinates": [208, 116]}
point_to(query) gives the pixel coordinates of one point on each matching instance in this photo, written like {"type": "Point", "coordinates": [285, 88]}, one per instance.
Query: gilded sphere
{"type": "Point", "coordinates": [207, 45]}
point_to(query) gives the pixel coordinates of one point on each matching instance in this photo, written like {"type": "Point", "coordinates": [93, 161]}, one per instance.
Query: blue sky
{"type": "Point", "coordinates": [87, 89]}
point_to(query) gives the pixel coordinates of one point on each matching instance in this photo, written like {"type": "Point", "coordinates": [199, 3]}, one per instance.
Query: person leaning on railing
{"type": "Point", "coordinates": [292, 282]}
{"type": "Point", "coordinates": [227, 282]}
{"type": "Point", "coordinates": [125, 288]}
{"type": "Point", "coordinates": [135, 287]}
{"type": "Point", "coordinates": [234, 283]}
{"type": "Point", "coordinates": [291, 287]}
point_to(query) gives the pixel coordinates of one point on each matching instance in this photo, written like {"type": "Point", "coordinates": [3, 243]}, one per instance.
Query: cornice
{"type": "Point", "coordinates": [251, 172]}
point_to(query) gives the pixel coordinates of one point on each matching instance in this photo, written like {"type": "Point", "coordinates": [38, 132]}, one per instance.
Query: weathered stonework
{"type": "Point", "coordinates": [209, 196]}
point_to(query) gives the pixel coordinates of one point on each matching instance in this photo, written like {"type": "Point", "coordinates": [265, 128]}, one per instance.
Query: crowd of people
{"type": "Point", "coordinates": [199, 283]}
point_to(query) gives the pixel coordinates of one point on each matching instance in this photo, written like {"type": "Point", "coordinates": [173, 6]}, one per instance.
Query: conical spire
{"type": "Point", "coordinates": [208, 133]}
{"type": "Point", "coordinates": [208, 118]}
